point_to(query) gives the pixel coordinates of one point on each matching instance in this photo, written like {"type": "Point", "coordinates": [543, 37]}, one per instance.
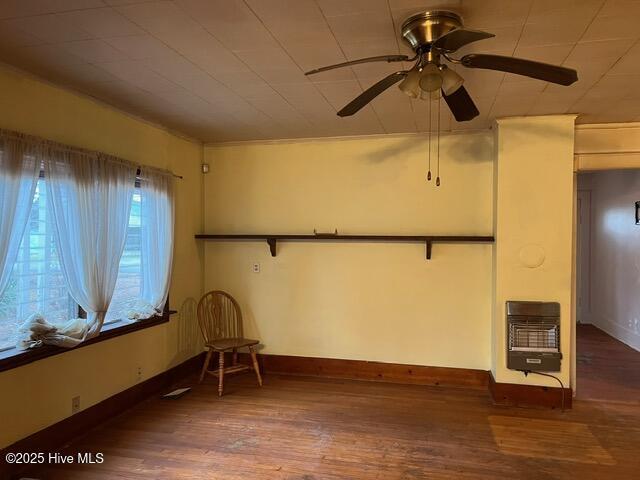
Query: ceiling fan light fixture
{"type": "Point", "coordinates": [410, 85]}
{"type": "Point", "coordinates": [431, 79]}
{"type": "Point", "coordinates": [451, 81]}
{"type": "Point", "coordinates": [435, 95]}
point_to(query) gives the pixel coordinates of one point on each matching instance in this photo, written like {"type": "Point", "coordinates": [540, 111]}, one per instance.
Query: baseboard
{"type": "Point", "coordinates": [59, 434]}
{"type": "Point", "coordinates": [517, 395]}
{"type": "Point", "coordinates": [619, 332]}
{"type": "Point", "coordinates": [373, 371]}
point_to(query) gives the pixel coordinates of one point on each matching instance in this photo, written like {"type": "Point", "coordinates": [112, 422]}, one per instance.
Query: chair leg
{"type": "Point", "coordinates": [235, 356]}
{"type": "Point", "coordinates": [220, 373]}
{"type": "Point", "coordinates": [207, 359]}
{"type": "Point", "coordinates": [255, 364]}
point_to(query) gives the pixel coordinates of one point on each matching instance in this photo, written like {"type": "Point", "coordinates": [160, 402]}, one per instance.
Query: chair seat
{"type": "Point", "coordinates": [222, 344]}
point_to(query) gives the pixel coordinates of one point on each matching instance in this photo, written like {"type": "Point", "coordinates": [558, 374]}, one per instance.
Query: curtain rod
{"type": "Point", "coordinates": [138, 171]}
{"type": "Point", "coordinates": [44, 142]}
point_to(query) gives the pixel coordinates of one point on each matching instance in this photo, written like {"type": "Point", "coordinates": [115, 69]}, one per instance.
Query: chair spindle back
{"type": "Point", "coordinates": [219, 316]}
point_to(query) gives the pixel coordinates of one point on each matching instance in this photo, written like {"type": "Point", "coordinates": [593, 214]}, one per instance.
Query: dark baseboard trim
{"type": "Point", "coordinates": [373, 371]}
{"type": "Point", "coordinates": [516, 395]}
{"type": "Point", "coordinates": [59, 434]}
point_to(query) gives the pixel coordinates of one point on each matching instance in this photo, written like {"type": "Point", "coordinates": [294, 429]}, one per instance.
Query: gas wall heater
{"type": "Point", "coordinates": [533, 336]}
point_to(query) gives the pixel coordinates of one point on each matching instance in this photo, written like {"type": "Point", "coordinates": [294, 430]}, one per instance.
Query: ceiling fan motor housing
{"type": "Point", "coordinates": [422, 29]}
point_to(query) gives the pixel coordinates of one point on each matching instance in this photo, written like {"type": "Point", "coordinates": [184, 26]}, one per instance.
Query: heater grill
{"type": "Point", "coordinates": [533, 339]}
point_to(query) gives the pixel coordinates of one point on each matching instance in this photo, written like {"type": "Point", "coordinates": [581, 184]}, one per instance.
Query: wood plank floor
{"type": "Point", "coordinates": [607, 369]}
{"type": "Point", "coordinates": [310, 428]}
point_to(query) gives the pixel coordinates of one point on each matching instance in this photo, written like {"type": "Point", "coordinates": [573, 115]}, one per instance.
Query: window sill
{"type": "Point", "coordinates": [15, 357]}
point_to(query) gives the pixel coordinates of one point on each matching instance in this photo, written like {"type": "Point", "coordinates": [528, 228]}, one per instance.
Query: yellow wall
{"type": "Point", "coordinates": [378, 302]}
{"type": "Point", "coordinates": [381, 302]}
{"type": "Point", "coordinates": [39, 394]}
{"type": "Point", "coordinates": [534, 227]}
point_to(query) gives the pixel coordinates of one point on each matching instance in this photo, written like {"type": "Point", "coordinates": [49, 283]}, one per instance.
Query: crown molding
{"type": "Point", "coordinates": [608, 126]}
{"type": "Point", "coordinates": [343, 138]}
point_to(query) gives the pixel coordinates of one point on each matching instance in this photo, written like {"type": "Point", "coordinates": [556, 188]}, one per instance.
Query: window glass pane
{"type": "Point", "coordinates": [36, 284]}
{"type": "Point", "coordinates": [128, 285]}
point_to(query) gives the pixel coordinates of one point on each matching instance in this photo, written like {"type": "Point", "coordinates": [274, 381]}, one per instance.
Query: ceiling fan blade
{"type": "Point", "coordinates": [372, 92]}
{"type": "Point", "coordinates": [461, 105]}
{"type": "Point", "coordinates": [520, 66]}
{"type": "Point", "coordinates": [380, 58]}
{"type": "Point", "coordinates": [458, 38]}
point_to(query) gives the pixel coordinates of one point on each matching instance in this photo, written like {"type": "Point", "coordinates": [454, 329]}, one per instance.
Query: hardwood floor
{"type": "Point", "coordinates": [312, 428]}
{"type": "Point", "coordinates": [607, 369]}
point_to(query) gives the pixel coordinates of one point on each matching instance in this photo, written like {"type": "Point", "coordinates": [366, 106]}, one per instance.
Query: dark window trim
{"type": "Point", "coordinates": [15, 357]}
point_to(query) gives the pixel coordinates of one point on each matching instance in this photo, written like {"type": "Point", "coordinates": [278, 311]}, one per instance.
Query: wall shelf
{"type": "Point", "coordinates": [428, 240]}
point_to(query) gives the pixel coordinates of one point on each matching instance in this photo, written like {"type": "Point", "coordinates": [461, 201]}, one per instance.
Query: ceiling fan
{"type": "Point", "coordinates": [434, 36]}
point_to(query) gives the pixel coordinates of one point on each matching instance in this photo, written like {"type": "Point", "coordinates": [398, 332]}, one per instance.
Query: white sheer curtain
{"type": "Point", "coordinates": [19, 170]}
{"type": "Point", "coordinates": [90, 199]}
{"type": "Point", "coordinates": [157, 218]}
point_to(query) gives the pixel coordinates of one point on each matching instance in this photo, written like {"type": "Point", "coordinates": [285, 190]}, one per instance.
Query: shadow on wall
{"type": "Point", "coordinates": [188, 334]}
{"type": "Point", "coordinates": [464, 151]}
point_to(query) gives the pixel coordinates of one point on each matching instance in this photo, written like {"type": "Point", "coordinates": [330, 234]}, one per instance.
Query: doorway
{"type": "Point", "coordinates": [608, 286]}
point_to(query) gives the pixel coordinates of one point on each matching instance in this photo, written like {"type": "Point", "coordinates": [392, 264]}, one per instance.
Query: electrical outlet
{"type": "Point", "coordinates": [256, 268]}
{"type": "Point", "coordinates": [75, 404]}
{"type": "Point", "coordinates": [139, 374]}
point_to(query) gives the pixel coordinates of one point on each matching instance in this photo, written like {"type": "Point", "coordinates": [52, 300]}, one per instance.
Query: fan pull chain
{"type": "Point", "coordinates": [429, 125]}
{"type": "Point", "coordinates": [438, 144]}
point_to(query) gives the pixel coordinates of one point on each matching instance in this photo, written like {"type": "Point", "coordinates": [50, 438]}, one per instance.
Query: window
{"type": "Point", "coordinates": [129, 283]}
{"type": "Point", "coordinates": [100, 202]}
{"type": "Point", "coordinates": [36, 283]}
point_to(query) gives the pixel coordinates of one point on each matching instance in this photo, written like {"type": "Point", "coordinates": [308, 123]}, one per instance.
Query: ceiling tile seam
{"type": "Point", "coordinates": [397, 36]}
{"type": "Point", "coordinates": [637, 42]}
{"type": "Point", "coordinates": [633, 45]}
{"type": "Point", "coordinates": [97, 64]}
{"type": "Point", "coordinates": [103, 103]}
{"type": "Point", "coordinates": [203, 71]}
{"type": "Point", "coordinates": [74, 10]}
{"type": "Point", "coordinates": [605, 73]}
{"type": "Point", "coordinates": [47, 43]}
{"type": "Point", "coordinates": [154, 94]}
{"type": "Point", "coordinates": [569, 54]}
{"type": "Point", "coordinates": [44, 43]}
{"type": "Point", "coordinates": [252, 70]}
{"type": "Point", "coordinates": [76, 60]}
{"type": "Point", "coordinates": [275, 39]}
{"type": "Point", "coordinates": [230, 86]}
{"type": "Point", "coordinates": [512, 54]}
{"type": "Point", "coordinates": [351, 68]}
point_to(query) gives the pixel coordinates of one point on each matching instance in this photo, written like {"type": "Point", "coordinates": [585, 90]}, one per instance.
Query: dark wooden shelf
{"type": "Point", "coordinates": [428, 240]}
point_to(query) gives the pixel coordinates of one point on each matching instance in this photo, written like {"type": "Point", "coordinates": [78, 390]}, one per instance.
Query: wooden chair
{"type": "Point", "coordinates": [220, 320]}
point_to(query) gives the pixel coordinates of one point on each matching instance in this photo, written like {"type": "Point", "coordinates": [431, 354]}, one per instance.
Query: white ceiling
{"type": "Point", "coordinates": [227, 70]}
